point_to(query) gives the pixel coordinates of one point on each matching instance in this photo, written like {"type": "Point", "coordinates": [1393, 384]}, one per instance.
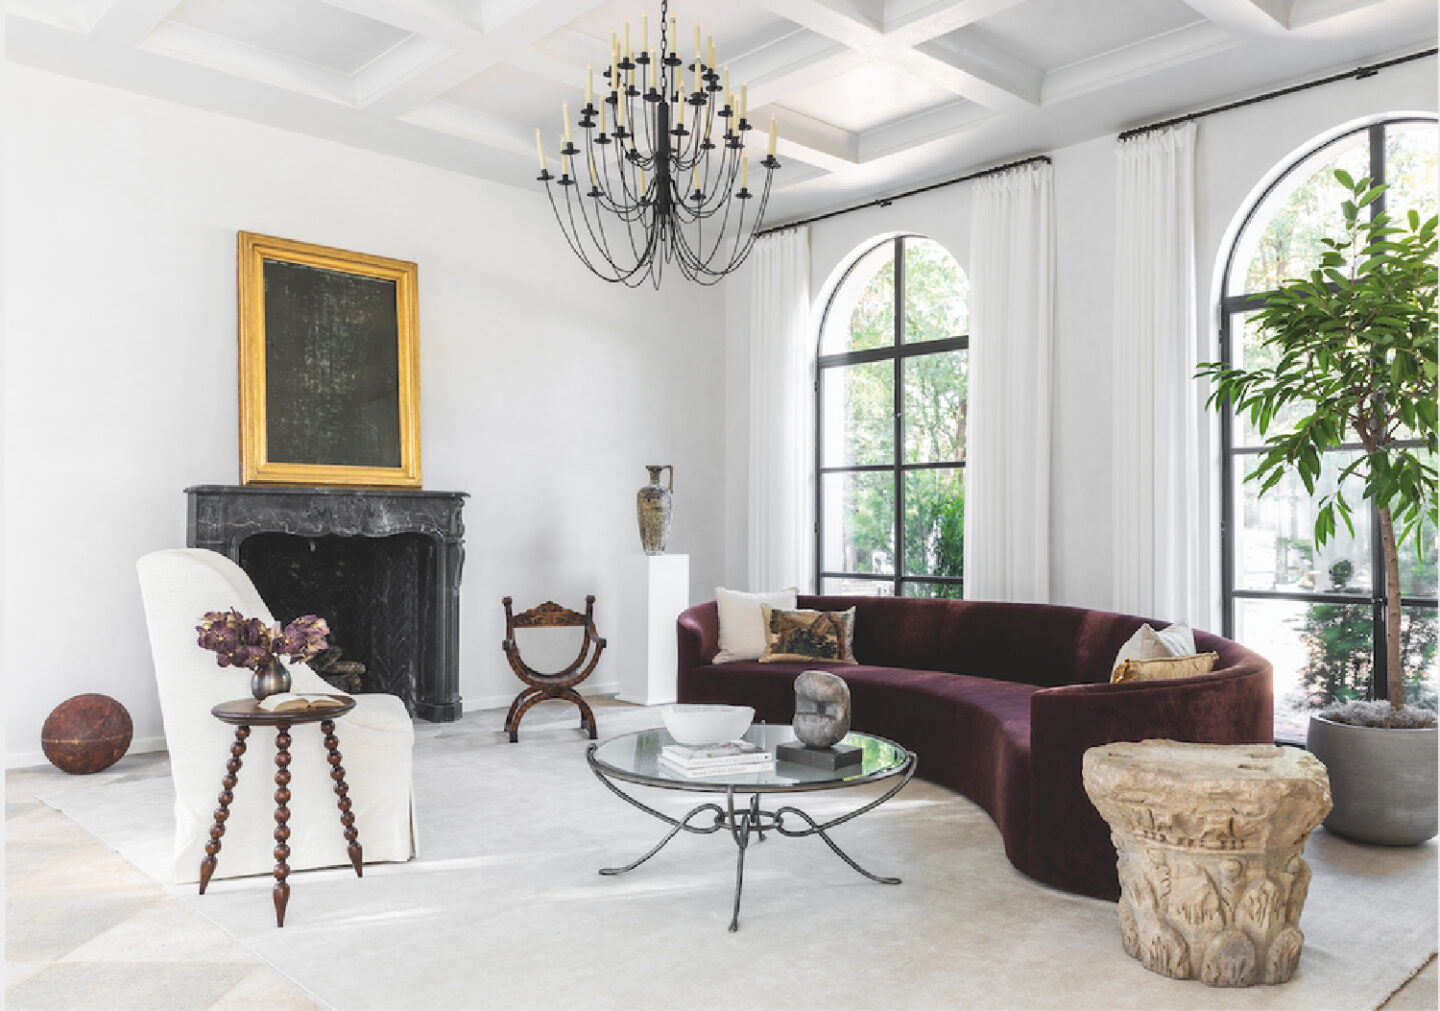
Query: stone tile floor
{"type": "Point", "coordinates": [85, 929]}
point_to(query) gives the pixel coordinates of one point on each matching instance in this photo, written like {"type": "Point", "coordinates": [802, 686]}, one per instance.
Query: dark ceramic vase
{"type": "Point", "coordinates": [272, 680]}
{"type": "Point", "coordinates": [652, 509]}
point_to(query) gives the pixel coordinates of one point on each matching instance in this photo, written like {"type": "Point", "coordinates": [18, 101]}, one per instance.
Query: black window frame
{"type": "Point", "coordinates": [899, 352]}
{"type": "Point", "coordinates": [1232, 305]}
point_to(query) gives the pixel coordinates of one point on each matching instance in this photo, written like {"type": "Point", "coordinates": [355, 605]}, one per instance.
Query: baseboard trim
{"type": "Point", "coordinates": [29, 759]}
{"type": "Point", "coordinates": [601, 690]}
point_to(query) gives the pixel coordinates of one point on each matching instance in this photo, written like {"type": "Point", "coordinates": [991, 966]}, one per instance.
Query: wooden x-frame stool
{"type": "Point", "coordinates": [560, 685]}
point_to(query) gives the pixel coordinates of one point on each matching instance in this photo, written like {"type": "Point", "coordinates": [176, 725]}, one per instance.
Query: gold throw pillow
{"type": "Point", "coordinates": [808, 635]}
{"type": "Point", "coordinates": [1165, 668]}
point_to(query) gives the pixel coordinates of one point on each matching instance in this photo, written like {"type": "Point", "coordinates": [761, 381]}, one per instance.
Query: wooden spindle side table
{"type": "Point", "coordinates": [1209, 838]}
{"type": "Point", "coordinates": [243, 714]}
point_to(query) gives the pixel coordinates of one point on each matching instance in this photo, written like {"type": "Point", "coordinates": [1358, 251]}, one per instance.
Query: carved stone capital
{"type": "Point", "coordinates": [1208, 839]}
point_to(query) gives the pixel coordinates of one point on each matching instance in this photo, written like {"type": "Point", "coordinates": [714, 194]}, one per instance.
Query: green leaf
{"type": "Point", "coordinates": [1369, 197]}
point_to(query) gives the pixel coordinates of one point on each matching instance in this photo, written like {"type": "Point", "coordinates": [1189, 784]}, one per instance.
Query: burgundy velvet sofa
{"type": "Point", "coordinates": [1000, 701]}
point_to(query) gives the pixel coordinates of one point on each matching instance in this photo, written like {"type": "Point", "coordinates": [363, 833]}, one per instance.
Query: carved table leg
{"type": "Point", "coordinates": [222, 813]}
{"type": "Point", "coordinates": [342, 791]}
{"type": "Point", "coordinates": [281, 890]}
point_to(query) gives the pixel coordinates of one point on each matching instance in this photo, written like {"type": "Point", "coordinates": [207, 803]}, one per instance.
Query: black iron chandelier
{"type": "Point", "coordinates": [659, 190]}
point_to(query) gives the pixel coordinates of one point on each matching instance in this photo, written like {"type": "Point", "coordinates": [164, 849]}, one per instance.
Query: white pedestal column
{"type": "Point", "coordinates": [654, 589]}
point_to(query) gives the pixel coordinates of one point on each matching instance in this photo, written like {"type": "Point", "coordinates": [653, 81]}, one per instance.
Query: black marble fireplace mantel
{"type": "Point", "coordinates": [385, 562]}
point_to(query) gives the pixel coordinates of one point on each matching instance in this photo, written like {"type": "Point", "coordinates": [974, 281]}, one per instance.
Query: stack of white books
{"type": "Point", "coordinates": [715, 759]}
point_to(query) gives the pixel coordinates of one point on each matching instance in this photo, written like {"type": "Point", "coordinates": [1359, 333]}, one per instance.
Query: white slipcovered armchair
{"type": "Point", "coordinates": [376, 738]}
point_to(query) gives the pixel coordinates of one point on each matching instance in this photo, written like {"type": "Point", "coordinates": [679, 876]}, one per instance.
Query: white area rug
{"type": "Point", "coordinates": [504, 908]}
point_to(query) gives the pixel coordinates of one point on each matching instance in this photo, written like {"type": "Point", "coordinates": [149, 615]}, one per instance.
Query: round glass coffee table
{"type": "Point", "coordinates": [635, 758]}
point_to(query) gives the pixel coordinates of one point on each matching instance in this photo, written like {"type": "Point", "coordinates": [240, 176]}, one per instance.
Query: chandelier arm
{"type": "Point", "coordinates": [599, 237]}
{"type": "Point", "coordinates": [617, 272]}
{"type": "Point", "coordinates": [742, 253]}
{"type": "Point", "coordinates": [572, 234]}
{"type": "Point", "coordinates": [631, 211]}
{"type": "Point", "coordinates": [579, 242]}
{"type": "Point", "coordinates": [627, 202]}
{"type": "Point", "coordinates": [706, 265]}
{"type": "Point", "coordinates": [650, 257]}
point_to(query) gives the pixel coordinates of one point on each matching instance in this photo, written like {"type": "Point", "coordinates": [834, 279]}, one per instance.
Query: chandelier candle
{"type": "Point", "coordinates": [628, 225]}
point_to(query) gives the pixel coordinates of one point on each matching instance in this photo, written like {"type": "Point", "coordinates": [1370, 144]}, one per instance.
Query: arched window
{"type": "Point", "coordinates": [1317, 612]}
{"type": "Point", "coordinates": [893, 382]}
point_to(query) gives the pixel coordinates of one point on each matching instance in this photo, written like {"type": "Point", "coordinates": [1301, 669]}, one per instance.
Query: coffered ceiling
{"type": "Point", "coordinates": [872, 96]}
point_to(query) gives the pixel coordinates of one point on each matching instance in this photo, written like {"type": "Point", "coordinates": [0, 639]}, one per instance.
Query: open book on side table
{"type": "Point", "coordinates": [299, 702]}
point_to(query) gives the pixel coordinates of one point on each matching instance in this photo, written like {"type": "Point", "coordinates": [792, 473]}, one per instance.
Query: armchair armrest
{"type": "Point", "coordinates": [697, 632]}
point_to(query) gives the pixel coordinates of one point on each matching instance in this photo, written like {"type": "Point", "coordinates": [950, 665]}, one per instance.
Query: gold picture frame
{"type": "Point", "coordinates": [329, 366]}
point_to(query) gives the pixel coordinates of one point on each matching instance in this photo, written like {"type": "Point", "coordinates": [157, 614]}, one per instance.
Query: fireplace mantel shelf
{"type": "Point", "coordinates": [222, 517]}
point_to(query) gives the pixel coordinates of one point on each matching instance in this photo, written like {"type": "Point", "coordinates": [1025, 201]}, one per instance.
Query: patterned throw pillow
{"type": "Point", "coordinates": [1164, 668]}
{"type": "Point", "coordinates": [808, 635]}
{"type": "Point", "coordinates": [742, 624]}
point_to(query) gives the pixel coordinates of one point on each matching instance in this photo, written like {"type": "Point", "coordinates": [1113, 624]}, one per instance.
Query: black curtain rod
{"type": "Point", "coordinates": [1358, 74]}
{"type": "Point", "coordinates": [887, 201]}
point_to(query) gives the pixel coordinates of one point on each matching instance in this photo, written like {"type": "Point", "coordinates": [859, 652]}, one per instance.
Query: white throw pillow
{"type": "Point", "coordinates": [742, 624]}
{"type": "Point", "coordinates": [1148, 644]}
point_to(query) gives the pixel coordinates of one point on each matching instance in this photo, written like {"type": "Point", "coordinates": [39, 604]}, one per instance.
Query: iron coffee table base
{"type": "Point", "coordinates": [747, 820]}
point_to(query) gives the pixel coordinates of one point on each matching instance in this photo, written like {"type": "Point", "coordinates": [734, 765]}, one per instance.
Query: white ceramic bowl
{"type": "Point", "coordinates": [706, 724]}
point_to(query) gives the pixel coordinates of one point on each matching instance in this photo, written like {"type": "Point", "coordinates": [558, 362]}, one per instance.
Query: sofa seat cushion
{"type": "Point", "coordinates": [972, 733]}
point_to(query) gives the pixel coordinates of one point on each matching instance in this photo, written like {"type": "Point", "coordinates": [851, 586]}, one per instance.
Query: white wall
{"type": "Point", "coordinates": [544, 391]}
{"type": "Point", "coordinates": [1236, 151]}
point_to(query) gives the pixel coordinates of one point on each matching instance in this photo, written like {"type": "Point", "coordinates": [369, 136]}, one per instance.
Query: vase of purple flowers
{"type": "Point", "coordinates": [238, 641]}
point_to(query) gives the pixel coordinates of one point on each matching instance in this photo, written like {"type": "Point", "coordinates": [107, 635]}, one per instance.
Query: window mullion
{"type": "Point", "coordinates": [898, 447]}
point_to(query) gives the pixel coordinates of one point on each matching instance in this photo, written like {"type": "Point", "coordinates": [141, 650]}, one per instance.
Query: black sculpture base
{"type": "Point", "coordinates": [835, 757]}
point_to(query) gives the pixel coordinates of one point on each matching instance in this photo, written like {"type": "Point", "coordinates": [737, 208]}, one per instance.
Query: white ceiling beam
{"type": "Point", "coordinates": [965, 64]}
{"type": "Point", "coordinates": [809, 139]}
{"type": "Point", "coordinates": [916, 36]}
{"type": "Point", "coordinates": [1245, 17]}
{"type": "Point", "coordinates": [130, 22]}
{"type": "Point", "coordinates": [1304, 13]}
{"type": "Point", "coordinates": [520, 31]}
{"type": "Point", "coordinates": [944, 123]}
{"type": "Point", "coordinates": [225, 55]}
{"type": "Point", "coordinates": [788, 80]}
{"type": "Point", "coordinates": [481, 127]}
{"type": "Point", "coordinates": [911, 22]}
{"type": "Point", "coordinates": [409, 58]}
{"type": "Point", "coordinates": [797, 62]}
{"type": "Point", "coordinates": [834, 19]}
{"type": "Point", "coordinates": [420, 18]}
{"type": "Point", "coordinates": [1140, 60]}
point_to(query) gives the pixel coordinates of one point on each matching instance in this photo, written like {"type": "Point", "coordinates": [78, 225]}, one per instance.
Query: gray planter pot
{"type": "Point", "coordinates": [1383, 782]}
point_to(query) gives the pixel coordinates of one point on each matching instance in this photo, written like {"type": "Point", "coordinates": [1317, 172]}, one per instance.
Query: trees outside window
{"type": "Point", "coordinates": [893, 380]}
{"type": "Point", "coordinates": [1318, 612]}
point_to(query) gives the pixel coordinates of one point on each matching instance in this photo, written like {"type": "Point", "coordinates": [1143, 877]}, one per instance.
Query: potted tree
{"type": "Point", "coordinates": [1354, 349]}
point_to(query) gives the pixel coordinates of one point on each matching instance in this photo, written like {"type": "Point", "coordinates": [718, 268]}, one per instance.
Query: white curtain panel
{"type": "Point", "coordinates": [1012, 322]}
{"type": "Point", "coordinates": [1157, 499]}
{"type": "Point", "coordinates": [782, 416]}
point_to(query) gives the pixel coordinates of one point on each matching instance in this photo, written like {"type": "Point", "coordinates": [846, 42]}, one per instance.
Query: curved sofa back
{"type": "Point", "coordinates": [1040, 644]}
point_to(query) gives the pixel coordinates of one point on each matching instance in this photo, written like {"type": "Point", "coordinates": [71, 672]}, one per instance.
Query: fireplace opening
{"type": "Point", "coordinates": [369, 590]}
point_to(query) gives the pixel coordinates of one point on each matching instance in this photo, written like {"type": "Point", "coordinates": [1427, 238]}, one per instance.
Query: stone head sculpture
{"type": "Point", "coordinates": [822, 708]}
